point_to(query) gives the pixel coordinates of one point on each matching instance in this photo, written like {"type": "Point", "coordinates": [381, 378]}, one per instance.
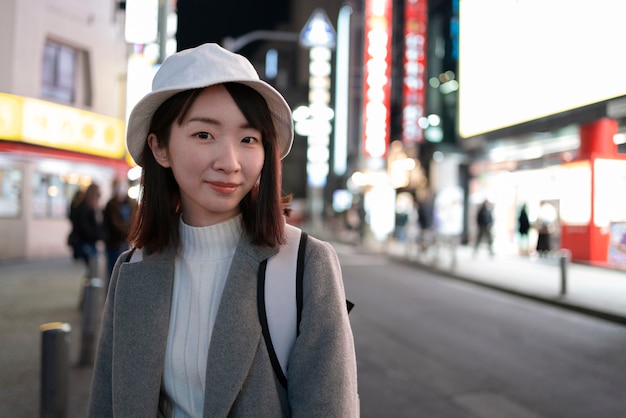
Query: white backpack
{"type": "Point", "coordinates": [279, 299]}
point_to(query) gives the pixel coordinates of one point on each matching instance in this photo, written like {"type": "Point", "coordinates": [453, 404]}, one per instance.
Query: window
{"type": "Point", "coordinates": [66, 74]}
{"type": "Point", "coordinates": [10, 192]}
{"type": "Point", "coordinates": [59, 72]}
{"type": "Point", "coordinates": [51, 195]}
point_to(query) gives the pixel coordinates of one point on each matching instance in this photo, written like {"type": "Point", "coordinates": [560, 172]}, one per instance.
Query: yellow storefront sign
{"type": "Point", "coordinates": [63, 127]}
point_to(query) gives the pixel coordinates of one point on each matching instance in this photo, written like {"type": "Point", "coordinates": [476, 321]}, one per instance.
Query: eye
{"type": "Point", "coordinates": [204, 135]}
{"type": "Point", "coordinates": [249, 140]}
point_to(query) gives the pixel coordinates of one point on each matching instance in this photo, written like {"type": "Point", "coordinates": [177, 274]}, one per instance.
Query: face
{"type": "Point", "coordinates": [215, 155]}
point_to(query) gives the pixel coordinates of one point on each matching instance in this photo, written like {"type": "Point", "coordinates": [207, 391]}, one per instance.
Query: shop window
{"type": "Point", "coordinates": [66, 74]}
{"type": "Point", "coordinates": [10, 192]}
{"type": "Point", "coordinates": [51, 196]}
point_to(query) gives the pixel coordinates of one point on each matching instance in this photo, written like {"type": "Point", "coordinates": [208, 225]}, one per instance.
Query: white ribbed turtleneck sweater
{"type": "Point", "coordinates": [199, 277]}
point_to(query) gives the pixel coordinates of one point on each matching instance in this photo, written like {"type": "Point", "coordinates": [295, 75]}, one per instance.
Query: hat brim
{"type": "Point", "coordinates": [141, 116]}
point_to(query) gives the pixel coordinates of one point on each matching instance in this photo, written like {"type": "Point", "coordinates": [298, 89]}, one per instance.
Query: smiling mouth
{"type": "Point", "coordinates": [223, 187]}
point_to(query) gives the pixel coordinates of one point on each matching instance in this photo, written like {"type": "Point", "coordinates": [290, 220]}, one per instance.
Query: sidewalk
{"type": "Point", "coordinates": [596, 291]}
{"type": "Point", "coordinates": [31, 294]}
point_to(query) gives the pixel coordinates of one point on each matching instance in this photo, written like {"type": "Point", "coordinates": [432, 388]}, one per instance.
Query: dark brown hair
{"type": "Point", "coordinates": [156, 222]}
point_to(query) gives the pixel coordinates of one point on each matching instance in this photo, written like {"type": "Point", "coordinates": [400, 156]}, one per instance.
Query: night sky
{"type": "Point", "coordinates": [201, 21]}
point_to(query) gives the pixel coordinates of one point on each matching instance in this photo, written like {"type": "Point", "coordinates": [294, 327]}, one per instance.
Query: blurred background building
{"type": "Point", "coordinates": [398, 104]}
{"type": "Point", "coordinates": [62, 95]}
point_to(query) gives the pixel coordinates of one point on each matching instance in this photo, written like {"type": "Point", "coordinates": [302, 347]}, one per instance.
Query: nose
{"type": "Point", "coordinates": [226, 157]}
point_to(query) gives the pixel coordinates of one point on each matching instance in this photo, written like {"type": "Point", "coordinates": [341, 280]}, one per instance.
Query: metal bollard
{"type": "Point", "coordinates": [564, 258]}
{"type": "Point", "coordinates": [55, 364]}
{"type": "Point", "coordinates": [454, 243]}
{"type": "Point", "coordinates": [92, 307]}
{"type": "Point", "coordinates": [93, 267]}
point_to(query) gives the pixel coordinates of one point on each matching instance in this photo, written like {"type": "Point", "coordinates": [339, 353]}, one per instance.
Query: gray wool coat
{"type": "Point", "coordinates": [240, 381]}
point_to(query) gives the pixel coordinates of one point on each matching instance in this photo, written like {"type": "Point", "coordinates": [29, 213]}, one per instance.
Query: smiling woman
{"type": "Point", "coordinates": [210, 138]}
{"type": "Point", "coordinates": [216, 156]}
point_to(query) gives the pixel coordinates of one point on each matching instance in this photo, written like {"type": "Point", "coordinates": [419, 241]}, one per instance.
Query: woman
{"type": "Point", "coordinates": [180, 333]}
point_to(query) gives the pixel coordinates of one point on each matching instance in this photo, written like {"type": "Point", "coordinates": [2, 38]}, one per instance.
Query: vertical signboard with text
{"type": "Point", "coordinates": [377, 77]}
{"type": "Point", "coordinates": [414, 71]}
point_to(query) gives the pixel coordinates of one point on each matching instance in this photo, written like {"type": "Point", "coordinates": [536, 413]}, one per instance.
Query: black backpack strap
{"type": "Point", "coordinates": [265, 329]}
{"type": "Point", "coordinates": [299, 279]}
{"type": "Point", "coordinates": [349, 305]}
{"type": "Point", "coordinates": [130, 254]}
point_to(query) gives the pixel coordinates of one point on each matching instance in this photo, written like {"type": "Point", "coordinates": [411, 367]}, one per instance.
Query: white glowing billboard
{"type": "Point", "coordinates": [521, 60]}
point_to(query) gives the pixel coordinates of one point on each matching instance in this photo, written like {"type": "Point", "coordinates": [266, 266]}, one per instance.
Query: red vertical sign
{"type": "Point", "coordinates": [376, 77]}
{"type": "Point", "coordinates": [414, 71]}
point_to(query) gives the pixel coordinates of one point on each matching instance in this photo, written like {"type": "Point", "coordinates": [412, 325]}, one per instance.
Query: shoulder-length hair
{"type": "Point", "coordinates": [157, 219]}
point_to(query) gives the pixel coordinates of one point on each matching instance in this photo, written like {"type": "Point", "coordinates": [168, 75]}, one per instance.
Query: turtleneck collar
{"type": "Point", "coordinates": [214, 242]}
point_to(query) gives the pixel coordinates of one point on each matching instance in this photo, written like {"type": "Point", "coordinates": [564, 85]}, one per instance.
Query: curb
{"type": "Point", "coordinates": [607, 316]}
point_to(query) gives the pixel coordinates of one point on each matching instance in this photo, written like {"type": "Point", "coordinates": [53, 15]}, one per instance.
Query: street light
{"type": "Point", "coordinates": [235, 44]}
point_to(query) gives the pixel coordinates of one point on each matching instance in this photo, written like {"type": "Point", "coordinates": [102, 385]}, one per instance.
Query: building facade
{"type": "Point", "coordinates": [62, 107]}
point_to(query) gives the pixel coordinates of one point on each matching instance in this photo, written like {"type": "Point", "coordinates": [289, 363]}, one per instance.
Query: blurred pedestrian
{"type": "Point", "coordinates": [544, 234]}
{"type": "Point", "coordinates": [86, 218]}
{"type": "Point", "coordinates": [117, 215]}
{"type": "Point", "coordinates": [523, 227]}
{"type": "Point", "coordinates": [425, 221]}
{"type": "Point", "coordinates": [181, 334]}
{"type": "Point", "coordinates": [72, 239]}
{"type": "Point", "coordinates": [484, 222]}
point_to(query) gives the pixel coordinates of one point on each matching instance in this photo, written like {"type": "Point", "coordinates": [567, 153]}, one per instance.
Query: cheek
{"type": "Point", "coordinates": [256, 165]}
{"type": "Point", "coordinates": [185, 156]}
{"type": "Point", "coordinates": [186, 165]}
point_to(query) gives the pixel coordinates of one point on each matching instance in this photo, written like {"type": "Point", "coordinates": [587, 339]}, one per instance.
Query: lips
{"type": "Point", "coordinates": [222, 187]}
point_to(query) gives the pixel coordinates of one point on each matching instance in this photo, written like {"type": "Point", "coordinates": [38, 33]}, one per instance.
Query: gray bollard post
{"type": "Point", "coordinates": [92, 307]}
{"type": "Point", "coordinates": [55, 364]}
{"type": "Point", "coordinates": [564, 258]}
{"type": "Point", "coordinates": [93, 267]}
{"type": "Point", "coordinates": [453, 248]}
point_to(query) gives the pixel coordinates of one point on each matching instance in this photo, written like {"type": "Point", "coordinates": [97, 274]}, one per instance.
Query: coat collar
{"type": "Point", "coordinates": [143, 297]}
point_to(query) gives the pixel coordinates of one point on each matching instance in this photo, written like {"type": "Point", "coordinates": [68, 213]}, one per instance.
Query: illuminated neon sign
{"type": "Point", "coordinates": [377, 77]}
{"type": "Point", "coordinates": [413, 91]}
{"type": "Point", "coordinates": [48, 124]}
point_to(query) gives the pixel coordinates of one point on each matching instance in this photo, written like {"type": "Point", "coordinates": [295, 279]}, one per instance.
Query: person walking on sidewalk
{"type": "Point", "coordinates": [523, 227]}
{"type": "Point", "coordinates": [181, 334]}
{"type": "Point", "coordinates": [484, 222]}
{"type": "Point", "coordinates": [117, 215]}
{"type": "Point", "coordinates": [86, 219]}
{"type": "Point", "coordinates": [72, 239]}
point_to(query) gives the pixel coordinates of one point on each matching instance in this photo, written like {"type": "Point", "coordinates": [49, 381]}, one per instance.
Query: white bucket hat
{"type": "Point", "coordinates": [199, 67]}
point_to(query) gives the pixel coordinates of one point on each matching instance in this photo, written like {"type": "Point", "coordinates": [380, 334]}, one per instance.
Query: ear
{"type": "Point", "coordinates": [159, 153]}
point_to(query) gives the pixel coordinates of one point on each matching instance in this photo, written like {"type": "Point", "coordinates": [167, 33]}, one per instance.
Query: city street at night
{"type": "Point", "coordinates": [465, 159]}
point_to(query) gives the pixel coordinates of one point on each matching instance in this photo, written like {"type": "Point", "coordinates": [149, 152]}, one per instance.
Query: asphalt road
{"type": "Point", "coordinates": [429, 346]}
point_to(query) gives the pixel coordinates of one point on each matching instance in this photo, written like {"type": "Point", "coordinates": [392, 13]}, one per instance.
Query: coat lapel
{"type": "Point", "coordinates": [237, 333]}
{"type": "Point", "coordinates": [142, 304]}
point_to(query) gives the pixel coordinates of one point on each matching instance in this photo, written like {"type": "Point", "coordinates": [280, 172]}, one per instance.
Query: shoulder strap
{"type": "Point", "coordinates": [279, 299]}
{"type": "Point", "coordinates": [135, 255]}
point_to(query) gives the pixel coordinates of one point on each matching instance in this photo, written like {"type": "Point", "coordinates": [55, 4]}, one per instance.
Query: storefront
{"type": "Point", "coordinates": [47, 153]}
{"type": "Point", "coordinates": [577, 193]}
